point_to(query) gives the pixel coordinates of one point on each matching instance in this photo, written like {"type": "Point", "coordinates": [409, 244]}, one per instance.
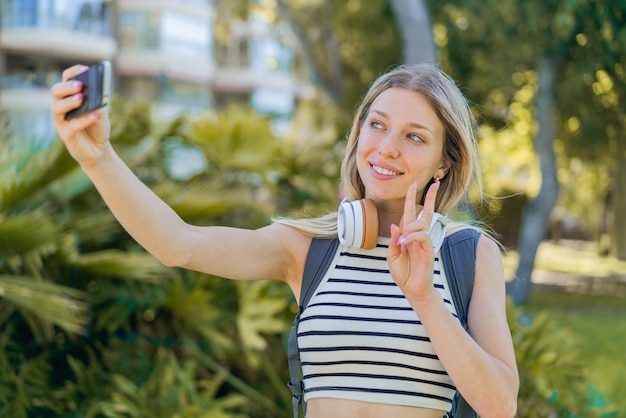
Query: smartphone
{"type": "Point", "coordinates": [96, 89]}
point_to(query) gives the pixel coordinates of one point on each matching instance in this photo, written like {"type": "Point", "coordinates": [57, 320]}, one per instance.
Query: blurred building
{"type": "Point", "coordinates": [161, 51]}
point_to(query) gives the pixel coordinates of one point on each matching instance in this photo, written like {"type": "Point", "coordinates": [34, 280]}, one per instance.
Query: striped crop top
{"type": "Point", "coordinates": [359, 338]}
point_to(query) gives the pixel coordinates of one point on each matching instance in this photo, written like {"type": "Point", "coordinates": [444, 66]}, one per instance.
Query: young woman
{"type": "Point", "coordinates": [411, 151]}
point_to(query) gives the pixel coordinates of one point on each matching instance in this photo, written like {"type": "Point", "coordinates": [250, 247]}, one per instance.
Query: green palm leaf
{"type": "Point", "coordinates": [122, 265]}
{"type": "Point", "coordinates": [259, 313]}
{"type": "Point", "coordinates": [94, 227]}
{"type": "Point", "coordinates": [27, 237]}
{"type": "Point", "coordinates": [132, 121]}
{"type": "Point", "coordinates": [22, 384]}
{"type": "Point", "coordinates": [47, 302]}
{"type": "Point", "coordinates": [199, 200]}
{"type": "Point", "coordinates": [236, 139]}
{"type": "Point", "coordinates": [70, 186]}
{"type": "Point", "coordinates": [24, 171]}
{"type": "Point", "coordinates": [195, 309]}
{"type": "Point", "coordinates": [171, 390]}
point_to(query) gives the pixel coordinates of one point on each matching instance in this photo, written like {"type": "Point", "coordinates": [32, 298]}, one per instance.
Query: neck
{"type": "Point", "coordinates": [388, 216]}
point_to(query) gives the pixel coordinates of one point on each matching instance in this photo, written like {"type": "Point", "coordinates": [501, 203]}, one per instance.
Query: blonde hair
{"type": "Point", "coordinates": [459, 148]}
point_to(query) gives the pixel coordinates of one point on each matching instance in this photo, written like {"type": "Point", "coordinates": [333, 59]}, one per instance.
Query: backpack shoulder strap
{"type": "Point", "coordinates": [321, 253]}
{"type": "Point", "coordinates": [458, 254]}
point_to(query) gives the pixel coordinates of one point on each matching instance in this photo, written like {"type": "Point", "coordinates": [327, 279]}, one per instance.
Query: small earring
{"type": "Point", "coordinates": [436, 179]}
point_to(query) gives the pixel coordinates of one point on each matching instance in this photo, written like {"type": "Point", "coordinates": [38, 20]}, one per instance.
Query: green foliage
{"type": "Point", "coordinates": [369, 43]}
{"type": "Point", "coordinates": [25, 170]}
{"type": "Point", "coordinates": [119, 264]}
{"type": "Point", "coordinates": [597, 322]}
{"type": "Point", "coordinates": [201, 198]}
{"type": "Point", "coordinates": [236, 140]}
{"type": "Point", "coordinates": [554, 378]}
{"type": "Point", "coordinates": [30, 235]}
{"type": "Point", "coordinates": [492, 49]}
{"type": "Point", "coordinates": [171, 390]}
{"type": "Point", "coordinates": [196, 314]}
{"type": "Point", "coordinates": [261, 305]}
{"type": "Point", "coordinates": [43, 304]}
{"type": "Point", "coordinates": [132, 122]}
{"type": "Point", "coordinates": [23, 384]}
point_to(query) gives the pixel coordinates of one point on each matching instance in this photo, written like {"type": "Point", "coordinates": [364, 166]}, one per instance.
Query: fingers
{"type": "Point", "coordinates": [66, 88]}
{"type": "Point", "coordinates": [416, 228]}
{"type": "Point", "coordinates": [396, 236]}
{"type": "Point", "coordinates": [73, 71]}
{"type": "Point", "coordinates": [429, 203]}
{"type": "Point", "coordinates": [84, 121]}
{"type": "Point", "coordinates": [67, 94]}
{"type": "Point", "coordinates": [60, 106]}
{"type": "Point", "coordinates": [409, 205]}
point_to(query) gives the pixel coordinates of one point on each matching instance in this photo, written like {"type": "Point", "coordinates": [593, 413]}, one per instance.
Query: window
{"type": "Point", "coordinates": [182, 34]}
{"type": "Point", "coordinates": [90, 16]}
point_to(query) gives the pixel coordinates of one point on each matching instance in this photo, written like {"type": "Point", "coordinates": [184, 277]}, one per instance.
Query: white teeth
{"type": "Point", "coordinates": [384, 171]}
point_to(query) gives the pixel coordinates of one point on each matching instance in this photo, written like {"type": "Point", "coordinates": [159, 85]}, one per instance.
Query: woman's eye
{"type": "Point", "coordinates": [376, 125]}
{"type": "Point", "coordinates": [415, 138]}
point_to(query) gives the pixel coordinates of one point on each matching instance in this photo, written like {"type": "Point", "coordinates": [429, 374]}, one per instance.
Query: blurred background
{"type": "Point", "coordinates": [237, 111]}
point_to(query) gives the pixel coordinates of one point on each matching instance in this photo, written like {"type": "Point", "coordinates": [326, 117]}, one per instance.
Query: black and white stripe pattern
{"type": "Point", "coordinates": [359, 338]}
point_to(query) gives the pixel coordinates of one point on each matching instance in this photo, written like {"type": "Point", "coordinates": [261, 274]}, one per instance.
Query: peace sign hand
{"type": "Point", "coordinates": [411, 255]}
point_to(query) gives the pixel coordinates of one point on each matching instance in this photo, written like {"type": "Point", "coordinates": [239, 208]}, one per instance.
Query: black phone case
{"type": "Point", "coordinates": [94, 96]}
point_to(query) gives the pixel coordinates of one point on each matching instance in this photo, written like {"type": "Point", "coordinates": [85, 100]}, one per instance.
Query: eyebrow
{"type": "Point", "coordinates": [412, 124]}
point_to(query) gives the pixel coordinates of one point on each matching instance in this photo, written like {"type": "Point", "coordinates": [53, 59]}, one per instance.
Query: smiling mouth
{"type": "Point", "coordinates": [384, 171]}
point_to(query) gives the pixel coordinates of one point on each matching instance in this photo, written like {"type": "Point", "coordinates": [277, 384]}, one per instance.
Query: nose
{"type": "Point", "coordinates": [389, 145]}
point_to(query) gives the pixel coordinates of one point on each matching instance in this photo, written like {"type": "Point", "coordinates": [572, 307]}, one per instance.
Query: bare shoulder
{"type": "Point", "coordinates": [280, 229]}
{"type": "Point", "coordinates": [286, 236]}
{"type": "Point", "coordinates": [488, 249]}
{"type": "Point", "coordinates": [489, 271]}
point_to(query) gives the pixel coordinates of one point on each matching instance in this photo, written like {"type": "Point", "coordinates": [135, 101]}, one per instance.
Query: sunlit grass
{"type": "Point", "coordinates": [578, 258]}
{"type": "Point", "coordinates": [582, 259]}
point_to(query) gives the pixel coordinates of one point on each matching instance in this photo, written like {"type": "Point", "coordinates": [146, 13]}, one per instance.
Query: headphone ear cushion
{"type": "Point", "coordinates": [346, 223]}
{"type": "Point", "coordinates": [357, 223]}
{"type": "Point", "coordinates": [437, 230]}
{"type": "Point", "coordinates": [370, 224]}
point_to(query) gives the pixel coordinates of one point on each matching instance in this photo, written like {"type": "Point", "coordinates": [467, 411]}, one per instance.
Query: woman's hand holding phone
{"type": "Point", "coordinates": [87, 136]}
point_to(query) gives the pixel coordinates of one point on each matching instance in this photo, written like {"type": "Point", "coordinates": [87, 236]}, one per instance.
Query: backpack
{"type": "Point", "coordinates": [458, 254]}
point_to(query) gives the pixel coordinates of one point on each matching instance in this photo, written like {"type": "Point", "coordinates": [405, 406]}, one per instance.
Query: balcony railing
{"type": "Point", "coordinates": [29, 80]}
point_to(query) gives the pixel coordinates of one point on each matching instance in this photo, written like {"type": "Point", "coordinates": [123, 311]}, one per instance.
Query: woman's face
{"type": "Point", "coordinates": [401, 142]}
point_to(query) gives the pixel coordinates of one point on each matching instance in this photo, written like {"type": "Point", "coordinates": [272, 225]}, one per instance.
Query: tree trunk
{"type": "Point", "coordinates": [535, 221]}
{"type": "Point", "coordinates": [616, 224]}
{"type": "Point", "coordinates": [416, 31]}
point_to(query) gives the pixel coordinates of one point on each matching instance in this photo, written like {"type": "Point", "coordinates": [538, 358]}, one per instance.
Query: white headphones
{"type": "Point", "coordinates": [357, 225]}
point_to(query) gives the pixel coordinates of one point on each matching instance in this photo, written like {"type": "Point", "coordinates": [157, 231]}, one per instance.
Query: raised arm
{"type": "Point", "coordinates": [273, 252]}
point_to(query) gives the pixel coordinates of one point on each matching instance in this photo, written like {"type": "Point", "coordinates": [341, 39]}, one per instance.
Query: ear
{"type": "Point", "coordinates": [442, 171]}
